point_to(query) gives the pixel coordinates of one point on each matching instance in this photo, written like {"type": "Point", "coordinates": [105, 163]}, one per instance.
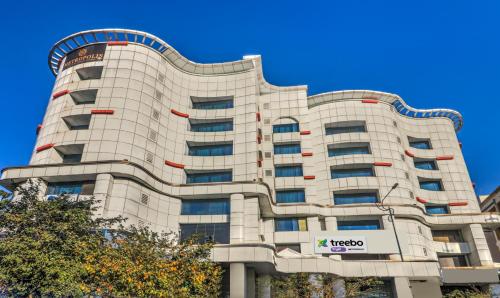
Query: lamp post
{"type": "Point", "coordinates": [381, 206]}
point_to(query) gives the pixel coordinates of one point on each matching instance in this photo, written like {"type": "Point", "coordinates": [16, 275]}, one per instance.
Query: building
{"type": "Point", "coordinates": [491, 204]}
{"type": "Point", "coordinates": [282, 181]}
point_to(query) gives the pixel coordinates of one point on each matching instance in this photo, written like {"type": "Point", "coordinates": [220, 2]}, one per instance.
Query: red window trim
{"type": "Point", "coordinates": [38, 128]}
{"type": "Point", "coordinates": [175, 112]}
{"type": "Point", "coordinates": [445, 157]}
{"type": "Point", "coordinates": [382, 164]}
{"type": "Point", "coordinates": [309, 177]}
{"type": "Point", "coordinates": [375, 101]}
{"type": "Point", "coordinates": [117, 43]}
{"type": "Point", "coordinates": [60, 93]}
{"type": "Point", "coordinates": [102, 112]}
{"type": "Point", "coordinates": [423, 201]}
{"type": "Point", "coordinates": [465, 203]}
{"type": "Point", "coordinates": [258, 116]}
{"type": "Point", "coordinates": [307, 154]}
{"type": "Point", "coordinates": [409, 153]}
{"type": "Point", "coordinates": [174, 165]}
{"type": "Point", "coordinates": [305, 132]}
{"type": "Point", "coordinates": [44, 147]}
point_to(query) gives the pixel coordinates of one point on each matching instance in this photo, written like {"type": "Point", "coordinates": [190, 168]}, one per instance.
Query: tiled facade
{"type": "Point", "coordinates": [135, 152]}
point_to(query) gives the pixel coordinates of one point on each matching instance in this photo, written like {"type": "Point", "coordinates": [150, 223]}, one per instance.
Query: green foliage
{"type": "Point", "coordinates": [57, 249]}
{"type": "Point", "coordinates": [466, 292]}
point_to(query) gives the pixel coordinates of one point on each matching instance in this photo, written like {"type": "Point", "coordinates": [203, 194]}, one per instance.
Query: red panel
{"type": "Point", "coordinates": [183, 115]}
{"type": "Point", "coordinates": [460, 144]}
{"type": "Point", "coordinates": [369, 101]}
{"type": "Point", "coordinates": [423, 201]}
{"type": "Point", "coordinates": [259, 163]}
{"type": "Point", "coordinates": [310, 177]}
{"type": "Point", "coordinates": [173, 164]}
{"type": "Point", "coordinates": [44, 147]}
{"type": "Point", "coordinates": [60, 93]}
{"type": "Point", "coordinates": [38, 128]}
{"type": "Point", "coordinates": [259, 140]}
{"type": "Point", "coordinates": [445, 157]}
{"type": "Point", "coordinates": [117, 43]}
{"type": "Point", "coordinates": [382, 164]}
{"type": "Point", "coordinates": [305, 132]}
{"type": "Point", "coordinates": [307, 154]}
{"type": "Point", "coordinates": [409, 153]}
{"type": "Point", "coordinates": [102, 112]}
{"type": "Point", "coordinates": [258, 116]}
{"type": "Point", "coordinates": [370, 97]}
{"type": "Point", "coordinates": [465, 203]}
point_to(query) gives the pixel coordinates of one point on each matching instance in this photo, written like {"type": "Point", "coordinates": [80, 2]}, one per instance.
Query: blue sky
{"type": "Point", "coordinates": [431, 53]}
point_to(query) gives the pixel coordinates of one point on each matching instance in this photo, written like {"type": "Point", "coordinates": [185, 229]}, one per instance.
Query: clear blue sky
{"type": "Point", "coordinates": [431, 53]}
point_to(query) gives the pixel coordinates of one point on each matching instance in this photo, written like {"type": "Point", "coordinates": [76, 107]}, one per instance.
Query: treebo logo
{"type": "Point", "coordinates": [347, 243]}
{"type": "Point", "coordinates": [322, 243]}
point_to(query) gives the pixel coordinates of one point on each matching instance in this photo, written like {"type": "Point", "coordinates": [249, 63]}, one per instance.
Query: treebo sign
{"type": "Point", "coordinates": [340, 245]}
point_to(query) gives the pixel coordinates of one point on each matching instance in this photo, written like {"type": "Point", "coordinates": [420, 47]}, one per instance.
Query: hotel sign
{"type": "Point", "coordinates": [340, 245]}
{"type": "Point", "coordinates": [89, 53]}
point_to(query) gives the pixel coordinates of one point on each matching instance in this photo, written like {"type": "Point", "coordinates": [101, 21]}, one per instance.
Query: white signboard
{"type": "Point", "coordinates": [340, 245]}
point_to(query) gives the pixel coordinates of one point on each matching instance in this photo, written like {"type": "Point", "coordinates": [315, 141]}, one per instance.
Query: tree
{"type": "Point", "coordinates": [57, 248]}
{"type": "Point", "coordinates": [467, 292]}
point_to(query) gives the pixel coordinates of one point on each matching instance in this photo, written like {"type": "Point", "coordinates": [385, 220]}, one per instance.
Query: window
{"type": "Point", "coordinates": [269, 173]}
{"type": "Point", "coordinates": [437, 209]}
{"type": "Point", "coordinates": [425, 164]}
{"type": "Point", "coordinates": [287, 148]}
{"type": "Point", "coordinates": [207, 177]}
{"type": "Point", "coordinates": [354, 172]}
{"type": "Point", "coordinates": [290, 224]}
{"type": "Point", "coordinates": [216, 232]}
{"type": "Point", "coordinates": [383, 290]}
{"type": "Point", "coordinates": [344, 225]}
{"type": "Point", "coordinates": [71, 188]}
{"type": "Point", "coordinates": [367, 257]}
{"type": "Point", "coordinates": [144, 199]}
{"type": "Point", "coordinates": [77, 122]}
{"type": "Point", "coordinates": [345, 127]}
{"type": "Point", "coordinates": [199, 126]}
{"type": "Point", "coordinates": [90, 73]}
{"type": "Point", "coordinates": [71, 158]}
{"type": "Point", "coordinates": [70, 153]}
{"type": "Point", "coordinates": [158, 94]}
{"type": "Point", "coordinates": [84, 96]}
{"type": "Point", "coordinates": [210, 150]}
{"type": "Point", "coordinates": [205, 207]}
{"type": "Point", "coordinates": [447, 236]}
{"type": "Point", "coordinates": [152, 135]}
{"type": "Point", "coordinates": [211, 103]}
{"type": "Point", "coordinates": [290, 196]}
{"type": "Point", "coordinates": [288, 171]}
{"type": "Point", "coordinates": [419, 143]}
{"type": "Point", "coordinates": [281, 128]}
{"type": "Point", "coordinates": [348, 149]}
{"type": "Point", "coordinates": [432, 185]}
{"type": "Point", "coordinates": [355, 198]}
{"type": "Point", "coordinates": [453, 261]}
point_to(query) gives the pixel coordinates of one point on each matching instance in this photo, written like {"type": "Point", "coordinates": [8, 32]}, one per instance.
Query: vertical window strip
{"type": "Point", "coordinates": [212, 126]}
{"type": "Point", "coordinates": [349, 225]}
{"type": "Point", "coordinates": [355, 198]}
{"type": "Point", "coordinates": [209, 177]}
{"type": "Point", "coordinates": [348, 151]}
{"type": "Point", "coordinates": [211, 150]}
{"type": "Point", "coordinates": [205, 207]}
{"type": "Point", "coordinates": [290, 196]}
{"type": "Point", "coordinates": [288, 171]}
{"type": "Point", "coordinates": [346, 173]}
{"type": "Point", "coordinates": [287, 148]}
{"type": "Point", "coordinates": [282, 128]}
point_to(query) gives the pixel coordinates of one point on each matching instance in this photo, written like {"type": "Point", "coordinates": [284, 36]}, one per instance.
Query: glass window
{"type": "Point", "coordinates": [292, 246]}
{"type": "Point", "coordinates": [211, 105]}
{"type": "Point", "coordinates": [447, 236]}
{"type": "Point", "coordinates": [216, 232]}
{"type": "Point", "coordinates": [290, 224]}
{"type": "Point", "coordinates": [384, 290]}
{"type": "Point", "coordinates": [346, 173]}
{"type": "Point", "coordinates": [70, 188]}
{"type": "Point", "coordinates": [290, 196]}
{"type": "Point", "coordinates": [453, 261]}
{"type": "Point", "coordinates": [348, 151]}
{"type": "Point", "coordinates": [207, 177]}
{"type": "Point", "coordinates": [431, 185]}
{"type": "Point", "coordinates": [440, 209]}
{"type": "Point", "coordinates": [425, 165]}
{"type": "Point", "coordinates": [205, 207]}
{"type": "Point", "coordinates": [287, 148]}
{"type": "Point", "coordinates": [344, 129]}
{"type": "Point", "coordinates": [288, 171]}
{"type": "Point", "coordinates": [358, 225]}
{"type": "Point", "coordinates": [211, 150]}
{"type": "Point", "coordinates": [212, 126]}
{"type": "Point", "coordinates": [355, 198]}
{"type": "Point", "coordinates": [71, 158]}
{"type": "Point", "coordinates": [281, 128]}
{"type": "Point", "coordinates": [420, 144]}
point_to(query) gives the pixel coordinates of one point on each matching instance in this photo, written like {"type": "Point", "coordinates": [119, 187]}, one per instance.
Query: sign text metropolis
{"type": "Point", "coordinates": [89, 53]}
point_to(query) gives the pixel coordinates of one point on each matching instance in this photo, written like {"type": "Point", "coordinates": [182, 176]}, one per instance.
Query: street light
{"type": "Point", "coordinates": [381, 206]}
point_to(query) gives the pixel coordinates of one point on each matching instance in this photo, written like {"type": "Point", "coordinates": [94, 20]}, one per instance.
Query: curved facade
{"type": "Point", "coordinates": [266, 171]}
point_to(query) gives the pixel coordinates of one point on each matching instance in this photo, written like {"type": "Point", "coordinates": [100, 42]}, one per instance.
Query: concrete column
{"type": "Point", "coordinates": [430, 288]}
{"type": "Point", "coordinates": [313, 224]}
{"type": "Point", "coordinates": [264, 286]}
{"type": "Point", "coordinates": [26, 187]}
{"type": "Point", "coordinates": [402, 287]}
{"type": "Point", "coordinates": [331, 223]}
{"type": "Point", "coordinates": [250, 283]}
{"type": "Point", "coordinates": [480, 252]}
{"type": "Point", "coordinates": [251, 219]}
{"type": "Point", "coordinates": [237, 280]}
{"type": "Point", "coordinates": [237, 218]}
{"type": "Point", "coordinates": [102, 192]}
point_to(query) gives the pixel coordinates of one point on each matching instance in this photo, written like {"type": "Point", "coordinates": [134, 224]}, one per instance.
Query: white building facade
{"type": "Point", "coordinates": [283, 182]}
